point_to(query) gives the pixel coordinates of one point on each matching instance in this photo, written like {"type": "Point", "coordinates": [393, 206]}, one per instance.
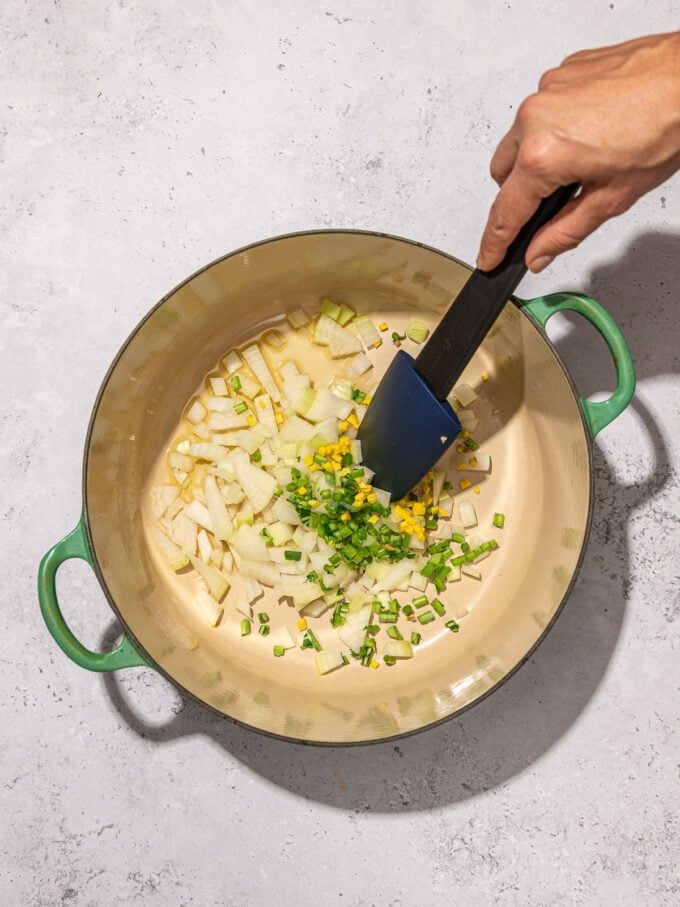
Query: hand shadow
{"type": "Point", "coordinates": [507, 732]}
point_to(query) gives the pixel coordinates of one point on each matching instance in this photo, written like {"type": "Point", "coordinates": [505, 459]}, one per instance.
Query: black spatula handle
{"type": "Point", "coordinates": [479, 303]}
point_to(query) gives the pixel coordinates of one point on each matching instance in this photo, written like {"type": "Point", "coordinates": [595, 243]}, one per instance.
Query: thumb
{"type": "Point", "coordinates": [577, 220]}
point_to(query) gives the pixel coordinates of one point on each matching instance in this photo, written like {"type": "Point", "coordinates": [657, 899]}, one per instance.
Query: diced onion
{"type": "Point", "coordinates": [274, 339]}
{"type": "Point", "coordinates": [219, 387]}
{"type": "Point", "coordinates": [283, 637]}
{"type": "Point", "coordinates": [258, 485]}
{"type": "Point", "coordinates": [256, 362]}
{"type": "Point", "coordinates": [223, 527]}
{"type": "Point", "coordinates": [172, 554]}
{"type": "Point", "coordinates": [465, 395]}
{"type": "Point", "coordinates": [471, 570]}
{"type": "Point", "coordinates": [468, 516]}
{"type": "Point", "coordinates": [399, 648]}
{"type": "Point", "coordinates": [288, 370]}
{"type": "Point", "coordinates": [367, 330]}
{"type": "Point", "coordinates": [467, 419]}
{"type": "Point", "coordinates": [211, 576]}
{"type": "Point", "coordinates": [417, 331]}
{"type": "Point", "coordinates": [342, 388]}
{"type": "Point", "coordinates": [338, 339]}
{"type": "Point", "coordinates": [232, 362]}
{"type": "Point", "coordinates": [196, 412]}
{"type": "Point", "coordinates": [328, 660]}
{"type": "Point", "coordinates": [358, 365]}
{"type": "Point", "coordinates": [180, 461]}
{"type": "Point", "coordinates": [207, 451]}
{"type": "Point", "coordinates": [211, 609]}
{"type": "Point", "coordinates": [248, 386]}
{"type": "Point", "coordinates": [162, 497]}
{"type": "Point", "coordinates": [297, 318]}
{"type": "Point", "coordinates": [183, 532]}
{"type": "Point", "coordinates": [204, 546]}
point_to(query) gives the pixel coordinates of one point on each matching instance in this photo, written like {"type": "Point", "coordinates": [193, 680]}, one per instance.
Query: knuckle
{"type": "Point", "coordinates": [548, 78]}
{"type": "Point", "coordinates": [536, 153]}
{"type": "Point", "coordinates": [496, 171]}
{"type": "Point", "coordinates": [528, 110]}
{"type": "Point", "coordinates": [499, 226]}
{"type": "Point", "coordinates": [564, 240]}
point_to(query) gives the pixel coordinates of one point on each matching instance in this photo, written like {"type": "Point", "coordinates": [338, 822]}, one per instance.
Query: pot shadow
{"type": "Point", "coordinates": [503, 735]}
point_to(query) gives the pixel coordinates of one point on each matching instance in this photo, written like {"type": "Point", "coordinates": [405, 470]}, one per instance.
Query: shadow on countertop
{"type": "Point", "coordinates": [507, 732]}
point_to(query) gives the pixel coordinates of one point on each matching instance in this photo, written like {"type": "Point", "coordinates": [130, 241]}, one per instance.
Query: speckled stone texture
{"type": "Point", "coordinates": [139, 140]}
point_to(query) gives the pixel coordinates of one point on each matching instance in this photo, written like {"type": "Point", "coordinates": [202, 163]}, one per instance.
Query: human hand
{"type": "Point", "coordinates": [608, 119]}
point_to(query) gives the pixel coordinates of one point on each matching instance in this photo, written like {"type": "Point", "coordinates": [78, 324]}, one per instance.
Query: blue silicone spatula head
{"type": "Point", "coordinates": [410, 424]}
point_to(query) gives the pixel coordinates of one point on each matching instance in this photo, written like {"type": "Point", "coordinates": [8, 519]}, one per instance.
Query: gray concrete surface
{"type": "Point", "coordinates": [139, 140]}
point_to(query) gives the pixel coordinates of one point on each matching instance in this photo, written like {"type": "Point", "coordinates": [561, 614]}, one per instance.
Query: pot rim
{"type": "Point", "coordinates": [158, 667]}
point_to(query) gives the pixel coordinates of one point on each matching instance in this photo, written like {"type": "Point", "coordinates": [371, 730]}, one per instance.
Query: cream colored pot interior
{"type": "Point", "coordinates": [530, 423]}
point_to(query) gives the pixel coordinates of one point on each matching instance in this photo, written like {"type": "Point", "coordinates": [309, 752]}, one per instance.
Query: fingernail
{"type": "Point", "coordinates": [481, 261]}
{"type": "Point", "coordinates": [538, 264]}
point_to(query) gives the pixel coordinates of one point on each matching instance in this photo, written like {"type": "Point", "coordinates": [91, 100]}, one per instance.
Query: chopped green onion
{"type": "Point", "coordinates": [292, 555]}
{"type": "Point", "coordinates": [245, 627]}
{"type": "Point", "coordinates": [471, 444]}
{"type": "Point", "coordinates": [279, 651]}
{"type": "Point", "coordinates": [256, 456]}
{"type": "Point", "coordinates": [464, 547]}
{"type": "Point", "coordinates": [388, 617]}
{"type": "Point", "coordinates": [390, 660]}
{"type": "Point", "coordinates": [438, 607]}
{"type": "Point", "coordinates": [240, 407]}
{"type": "Point", "coordinates": [447, 486]}
{"type": "Point", "coordinates": [458, 538]}
{"type": "Point", "coordinates": [393, 633]}
{"type": "Point", "coordinates": [397, 338]}
{"type": "Point", "coordinates": [264, 630]}
{"type": "Point", "coordinates": [372, 629]}
{"type": "Point", "coordinates": [452, 626]}
{"type": "Point", "coordinates": [407, 610]}
{"type": "Point", "coordinates": [426, 617]}
{"type": "Point", "coordinates": [235, 383]}
{"type": "Point", "coordinates": [429, 569]}
{"type": "Point", "coordinates": [263, 617]}
{"type": "Point", "coordinates": [313, 640]}
{"type": "Point", "coordinates": [499, 520]}
{"type": "Point", "coordinates": [419, 601]}
{"type": "Point", "coordinates": [266, 535]}
{"type": "Point", "coordinates": [415, 638]}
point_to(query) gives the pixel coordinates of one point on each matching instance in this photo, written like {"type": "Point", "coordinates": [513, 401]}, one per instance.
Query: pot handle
{"type": "Point", "coordinates": [75, 544]}
{"type": "Point", "coordinates": [597, 415]}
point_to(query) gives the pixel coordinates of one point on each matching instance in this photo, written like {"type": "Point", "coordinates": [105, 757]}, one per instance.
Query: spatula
{"type": "Point", "coordinates": [410, 423]}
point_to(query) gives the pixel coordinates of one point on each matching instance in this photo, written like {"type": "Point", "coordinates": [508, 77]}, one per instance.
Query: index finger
{"type": "Point", "coordinates": [518, 198]}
